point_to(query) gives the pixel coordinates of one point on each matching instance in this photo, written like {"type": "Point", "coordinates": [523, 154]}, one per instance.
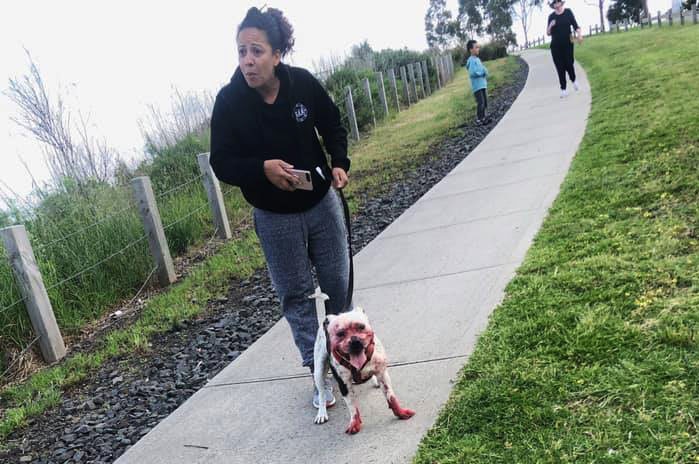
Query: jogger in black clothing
{"type": "Point", "coordinates": [560, 23]}
{"type": "Point", "coordinates": [563, 59]}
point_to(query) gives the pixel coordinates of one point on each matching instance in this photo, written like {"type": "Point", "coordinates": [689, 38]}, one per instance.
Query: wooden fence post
{"type": "Point", "coordinates": [436, 72]}
{"type": "Point", "coordinates": [213, 193]}
{"type": "Point", "coordinates": [681, 16]}
{"type": "Point", "coordinates": [349, 104]}
{"type": "Point", "coordinates": [420, 78]}
{"type": "Point", "coordinates": [404, 80]}
{"type": "Point", "coordinates": [367, 91]}
{"type": "Point", "coordinates": [626, 25]}
{"type": "Point", "coordinates": [31, 284]}
{"type": "Point", "coordinates": [694, 13]}
{"type": "Point", "coordinates": [659, 18]}
{"type": "Point", "coordinates": [445, 71]}
{"type": "Point", "coordinates": [427, 77]}
{"type": "Point", "coordinates": [145, 199]}
{"type": "Point", "coordinates": [382, 92]}
{"type": "Point", "coordinates": [394, 86]}
{"type": "Point", "coordinates": [413, 81]}
{"type": "Point", "coordinates": [590, 30]}
{"type": "Point", "coordinates": [596, 29]}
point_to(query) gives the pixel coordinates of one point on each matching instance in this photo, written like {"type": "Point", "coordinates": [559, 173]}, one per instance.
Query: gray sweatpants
{"type": "Point", "coordinates": [292, 244]}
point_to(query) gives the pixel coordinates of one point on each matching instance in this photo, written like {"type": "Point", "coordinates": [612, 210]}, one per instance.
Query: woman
{"type": "Point", "coordinates": [559, 28]}
{"type": "Point", "coordinates": [264, 125]}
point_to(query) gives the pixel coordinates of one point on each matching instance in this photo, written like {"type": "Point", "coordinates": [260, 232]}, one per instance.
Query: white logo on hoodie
{"type": "Point", "coordinates": [300, 112]}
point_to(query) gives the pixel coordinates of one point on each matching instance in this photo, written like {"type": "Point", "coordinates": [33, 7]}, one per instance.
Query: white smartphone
{"type": "Point", "coordinates": [306, 183]}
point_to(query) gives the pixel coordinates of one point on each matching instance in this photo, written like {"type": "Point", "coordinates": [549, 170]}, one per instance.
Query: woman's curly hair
{"type": "Point", "coordinates": [279, 31]}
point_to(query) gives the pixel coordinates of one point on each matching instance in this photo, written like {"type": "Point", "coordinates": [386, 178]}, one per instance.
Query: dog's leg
{"type": "Point", "coordinates": [355, 423]}
{"type": "Point", "coordinates": [393, 404]}
{"type": "Point", "coordinates": [320, 367]}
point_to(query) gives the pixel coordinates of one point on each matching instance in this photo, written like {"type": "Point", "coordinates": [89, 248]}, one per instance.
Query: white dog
{"type": "Point", "coordinates": [346, 343]}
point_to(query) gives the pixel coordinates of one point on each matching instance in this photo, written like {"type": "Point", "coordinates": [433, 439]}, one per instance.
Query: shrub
{"type": "Point", "coordinates": [489, 51]}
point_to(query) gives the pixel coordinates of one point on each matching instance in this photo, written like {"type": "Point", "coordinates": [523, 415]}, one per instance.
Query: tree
{"type": "Point", "coordinates": [600, 4]}
{"type": "Point", "coordinates": [622, 10]}
{"type": "Point", "coordinates": [523, 10]}
{"type": "Point", "coordinates": [470, 19]}
{"type": "Point", "coordinates": [499, 16]}
{"type": "Point", "coordinates": [362, 56]}
{"type": "Point", "coordinates": [80, 157]}
{"type": "Point", "coordinates": [439, 26]}
{"type": "Point", "coordinates": [491, 16]}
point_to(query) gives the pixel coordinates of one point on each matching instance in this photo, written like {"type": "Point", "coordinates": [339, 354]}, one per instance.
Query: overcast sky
{"type": "Point", "coordinates": [111, 59]}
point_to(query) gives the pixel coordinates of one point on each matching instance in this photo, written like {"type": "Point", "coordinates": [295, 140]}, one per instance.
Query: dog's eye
{"type": "Point", "coordinates": [361, 326]}
{"type": "Point", "coordinates": [340, 334]}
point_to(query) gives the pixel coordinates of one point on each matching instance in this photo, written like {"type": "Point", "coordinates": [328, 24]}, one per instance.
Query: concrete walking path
{"type": "Point", "coordinates": [428, 283]}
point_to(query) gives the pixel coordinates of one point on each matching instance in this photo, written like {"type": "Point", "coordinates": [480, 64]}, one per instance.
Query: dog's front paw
{"type": "Point", "coordinates": [321, 417]}
{"type": "Point", "coordinates": [404, 413]}
{"type": "Point", "coordinates": [355, 424]}
{"type": "Point", "coordinates": [398, 411]}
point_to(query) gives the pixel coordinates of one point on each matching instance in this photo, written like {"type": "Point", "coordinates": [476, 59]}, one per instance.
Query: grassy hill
{"type": "Point", "coordinates": [593, 355]}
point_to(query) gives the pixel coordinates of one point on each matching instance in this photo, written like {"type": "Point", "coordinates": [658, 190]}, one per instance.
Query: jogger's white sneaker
{"type": "Point", "coordinates": [564, 93]}
{"type": "Point", "coordinates": [575, 86]}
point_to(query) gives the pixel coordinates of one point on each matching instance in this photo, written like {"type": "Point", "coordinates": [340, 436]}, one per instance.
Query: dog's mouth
{"type": "Point", "coordinates": [357, 360]}
{"type": "Point", "coordinates": [357, 354]}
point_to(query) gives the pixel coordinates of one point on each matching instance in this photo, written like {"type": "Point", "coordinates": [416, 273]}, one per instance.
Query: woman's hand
{"type": "Point", "coordinates": [339, 178]}
{"type": "Point", "coordinates": [551, 24]}
{"type": "Point", "coordinates": [276, 172]}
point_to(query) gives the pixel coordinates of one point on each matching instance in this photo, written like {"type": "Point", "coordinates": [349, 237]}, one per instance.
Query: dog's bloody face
{"type": "Point", "coordinates": [350, 336]}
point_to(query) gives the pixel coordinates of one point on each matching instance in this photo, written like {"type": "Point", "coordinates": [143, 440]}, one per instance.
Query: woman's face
{"type": "Point", "coordinates": [256, 57]}
{"type": "Point", "coordinates": [558, 6]}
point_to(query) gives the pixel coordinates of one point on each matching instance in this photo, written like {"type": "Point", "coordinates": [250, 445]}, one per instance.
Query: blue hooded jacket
{"type": "Point", "coordinates": [478, 73]}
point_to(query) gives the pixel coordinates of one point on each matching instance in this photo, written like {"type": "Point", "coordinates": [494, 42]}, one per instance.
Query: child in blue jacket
{"type": "Point", "coordinates": [479, 82]}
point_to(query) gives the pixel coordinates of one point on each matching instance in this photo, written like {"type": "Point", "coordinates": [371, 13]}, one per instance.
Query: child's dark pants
{"type": "Point", "coordinates": [482, 103]}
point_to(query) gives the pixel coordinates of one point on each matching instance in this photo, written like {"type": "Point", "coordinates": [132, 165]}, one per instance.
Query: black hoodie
{"type": "Point", "coordinates": [246, 131]}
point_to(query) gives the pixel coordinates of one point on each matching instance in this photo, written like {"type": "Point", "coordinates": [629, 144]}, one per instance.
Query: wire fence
{"type": "Point", "coordinates": [102, 261]}
{"type": "Point", "coordinates": [186, 216]}
{"type": "Point", "coordinates": [177, 238]}
{"type": "Point", "coordinates": [14, 305]}
{"type": "Point", "coordinates": [43, 246]}
{"type": "Point", "coordinates": [178, 187]}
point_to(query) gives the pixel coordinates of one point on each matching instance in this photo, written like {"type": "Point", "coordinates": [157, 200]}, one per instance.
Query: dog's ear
{"type": "Point", "coordinates": [328, 319]}
{"type": "Point", "coordinates": [359, 309]}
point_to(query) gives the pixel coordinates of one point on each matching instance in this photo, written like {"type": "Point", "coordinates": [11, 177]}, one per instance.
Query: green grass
{"type": "Point", "coordinates": [593, 354]}
{"type": "Point", "coordinates": [86, 297]}
{"type": "Point", "coordinates": [378, 160]}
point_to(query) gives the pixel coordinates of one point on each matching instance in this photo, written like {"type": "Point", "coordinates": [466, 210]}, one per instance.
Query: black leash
{"type": "Point", "coordinates": [350, 283]}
